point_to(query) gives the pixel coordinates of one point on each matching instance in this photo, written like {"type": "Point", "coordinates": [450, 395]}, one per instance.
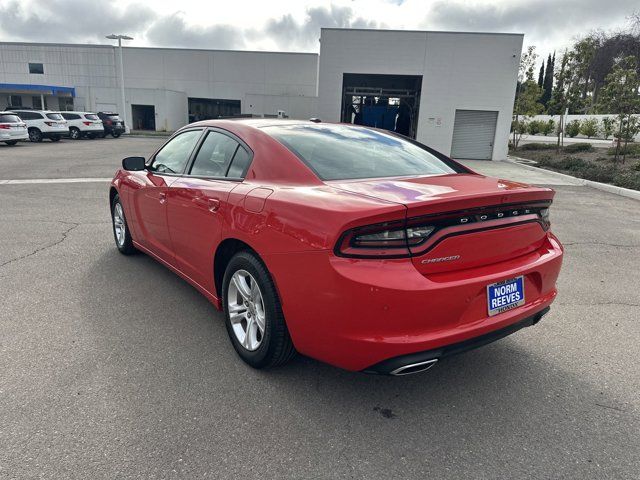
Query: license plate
{"type": "Point", "coordinates": [505, 295]}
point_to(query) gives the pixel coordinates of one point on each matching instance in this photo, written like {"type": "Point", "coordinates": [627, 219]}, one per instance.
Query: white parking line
{"type": "Point", "coordinates": [53, 180]}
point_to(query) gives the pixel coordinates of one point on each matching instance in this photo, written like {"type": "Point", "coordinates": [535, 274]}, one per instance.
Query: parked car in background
{"type": "Point", "coordinates": [354, 246]}
{"type": "Point", "coordinates": [83, 124]}
{"type": "Point", "coordinates": [12, 128]}
{"type": "Point", "coordinates": [113, 124]}
{"type": "Point", "coordinates": [43, 124]}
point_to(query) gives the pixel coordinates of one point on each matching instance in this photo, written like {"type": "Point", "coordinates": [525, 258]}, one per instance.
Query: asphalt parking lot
{"type": "Point", "coordinates": [113, 367]}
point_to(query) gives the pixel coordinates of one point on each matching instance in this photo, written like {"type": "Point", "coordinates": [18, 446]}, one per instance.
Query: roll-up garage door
{"type": "Point", "coordinates": [473, 134]}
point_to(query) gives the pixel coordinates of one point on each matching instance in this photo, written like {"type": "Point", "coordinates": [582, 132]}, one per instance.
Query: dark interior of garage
{"type": "Point", "coordinates": [211, 108]}
{"type": "Point", "coordinates": [390, 102]}
{"type": "Point", "coordinates": [144, 117]}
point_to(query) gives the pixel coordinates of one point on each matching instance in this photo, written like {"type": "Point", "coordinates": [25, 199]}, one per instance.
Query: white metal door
{"type": "Point", "coordinates": [473, 134]}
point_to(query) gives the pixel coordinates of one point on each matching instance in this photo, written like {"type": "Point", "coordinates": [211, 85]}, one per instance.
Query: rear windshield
{"type": "Point", "coordinates": [91, 116]}
{"type": "Point", "coordinates": [114, 116]}
{"type": "Point", "coordinates": [54, 116]}
{"type": "Point", "coordinates": [4, 118]}
{"type": "Point", "coordinates": [340, 152]}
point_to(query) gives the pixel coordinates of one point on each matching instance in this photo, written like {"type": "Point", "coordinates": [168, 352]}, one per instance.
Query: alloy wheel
{"type": "Point", "coordinates": [246, 310]}
{"type": "Point", "coordinates": [119, 225]}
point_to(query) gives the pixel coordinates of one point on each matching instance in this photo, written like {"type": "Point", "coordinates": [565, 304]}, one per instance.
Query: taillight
{"type": "Point", "coordinates": [87, 123]}
{"type": "Point", "coordinates": [405, 238]}
{"type": "Point", "coordinates": [5, 126]}
{"type": "Point", "coordinates": [107, 122]}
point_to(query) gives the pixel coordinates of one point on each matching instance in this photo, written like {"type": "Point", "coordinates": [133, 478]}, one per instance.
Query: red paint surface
{"type": "Point", "coordinates": [346, 311]}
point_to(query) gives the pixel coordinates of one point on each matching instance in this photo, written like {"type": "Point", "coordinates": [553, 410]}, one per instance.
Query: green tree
{"type": "Point", "coordinates": [608, 126]}
{"type": "Point", "coordinates": [620, 95]}
{"type": "Point", "coordinates": [547, 84]}
{"type": "Point", "coordinates": [548, 126]}
{"type": "Point", "coordinates": [535, 127]}
{"type": "Point", "coordinates": [558, 102]}
{"type": "Point", "coordinates": [589, 127]}
{"type": "Point", "coordinates": [527, 94]}
{"type": "Point", "coordinates": [573, 128]}
{"type": "Point", "coordinates": [541, 75]}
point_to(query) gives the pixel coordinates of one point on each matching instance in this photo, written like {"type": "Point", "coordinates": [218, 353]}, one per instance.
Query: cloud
{"type": "Point", "coordinates": [544, 21]}
{"type": "Point", "coordinates": [286, 31]}
{"type": "Point", "coordinates": [173, 31]}
{"type": "Point", "coordinates": [64, 21]}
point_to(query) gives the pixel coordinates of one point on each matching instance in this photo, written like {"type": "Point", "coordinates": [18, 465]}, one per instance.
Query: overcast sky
{"type": "Point", "coordinates": [294, 25]}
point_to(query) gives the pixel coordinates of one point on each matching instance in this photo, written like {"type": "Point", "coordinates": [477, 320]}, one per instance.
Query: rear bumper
{"type": "Point", "coordinates": [416, 362]}
{"type": "Point", "coordinates": [7, 137]}
{"type": "Point", "coordinates": [356, 314]}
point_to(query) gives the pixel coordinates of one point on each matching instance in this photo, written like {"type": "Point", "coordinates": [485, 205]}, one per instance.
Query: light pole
{"type": "Point", "coordinates": [124, 104]}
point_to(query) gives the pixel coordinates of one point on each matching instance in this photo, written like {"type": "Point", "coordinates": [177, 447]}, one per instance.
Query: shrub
{"type": "Point", "coordinates": [578, 147]}
{"type": "Point", "coordinates": [535, 127]}
{"type": "Point", "coordinates": [572, 163]}
{"type": "Point", "coordinates": [538, 146]}
{"type": "Point", "coordinates": [573, 128]}
{"type": "Point", "coordinates": [628, 180]}
{"type": "Point", "coordinates": [608, 126]}
{"type": "Point", "coordinates": [632, 149]}
{"type": "Point", "coordinates": [548, 127]}
{"type": "Point", "coordinates": [589, 127]}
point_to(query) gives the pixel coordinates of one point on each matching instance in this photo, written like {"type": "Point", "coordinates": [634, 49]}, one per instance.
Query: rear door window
{"type": "Point", "coordinates": [4, 118]}
{"type": "Point", "coordinates": [214, 155]}
{"type": "Point", "coordinates": [240, 163]}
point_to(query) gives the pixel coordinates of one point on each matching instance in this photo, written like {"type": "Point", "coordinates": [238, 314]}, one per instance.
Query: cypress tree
{"type": "Point", "coordinates": [547, 83]}
{"type": "Point", "coordinates": [541, 75]}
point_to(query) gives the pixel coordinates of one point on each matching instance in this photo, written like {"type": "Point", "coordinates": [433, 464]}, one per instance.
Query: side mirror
{"type": "Point", "coordinates": [133, 164]}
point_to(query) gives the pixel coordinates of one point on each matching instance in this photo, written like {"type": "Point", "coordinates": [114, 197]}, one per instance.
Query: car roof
{"type": "Point", "coordinates": [256, 122]}
{"type": "Point", "coordinates": [79, 112]}
{"type": "Point", "coordinates": [33, 110]}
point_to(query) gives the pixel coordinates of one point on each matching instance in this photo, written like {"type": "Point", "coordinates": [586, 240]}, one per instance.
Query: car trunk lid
{"type": "Point", "coordinates": [477, 220]}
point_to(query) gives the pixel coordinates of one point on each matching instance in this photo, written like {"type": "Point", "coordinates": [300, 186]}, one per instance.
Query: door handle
{"type": "Point", "coordinates": [162, 197]}
{"type": "Point", "coordinates": [214, 204]}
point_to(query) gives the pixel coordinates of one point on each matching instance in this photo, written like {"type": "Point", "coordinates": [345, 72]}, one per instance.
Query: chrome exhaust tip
{"type": "Point", "coordinates": [414, 367]}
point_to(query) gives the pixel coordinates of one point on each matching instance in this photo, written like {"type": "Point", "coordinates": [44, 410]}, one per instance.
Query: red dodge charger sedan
{"type": "Point", "coordinates": [351, 245]}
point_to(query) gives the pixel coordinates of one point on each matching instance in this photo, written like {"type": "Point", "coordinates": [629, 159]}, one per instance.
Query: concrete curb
{"type": "Point", "coordinates": [605, 187]}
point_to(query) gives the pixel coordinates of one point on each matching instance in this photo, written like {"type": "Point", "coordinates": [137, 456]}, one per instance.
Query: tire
{"type": "Point", "coordinates": [271, 347]}
{"type": "Point", "coordinates": [75, 133]}
{"type": "Point", "coordinates": [123, 240]}
{"type": "Point", "coordinates": [11, 142]}
{"type": "Point", "coordinates": [35, 135]}
{"type": "Point", "coordinates": [55, 138]}
{"type": "Point", "coordinates": [115, 134]}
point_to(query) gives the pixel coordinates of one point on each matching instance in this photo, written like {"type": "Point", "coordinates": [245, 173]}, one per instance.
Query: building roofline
{"type": "Point", "coordinates": [102, 45]}
{"type": "Point", "coordinates": [420, 31]}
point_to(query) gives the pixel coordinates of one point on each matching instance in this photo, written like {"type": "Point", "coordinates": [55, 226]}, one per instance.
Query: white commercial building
{"type": "Point", "coordinates": [453, 91]}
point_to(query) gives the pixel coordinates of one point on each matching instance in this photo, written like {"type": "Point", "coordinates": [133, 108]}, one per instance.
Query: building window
{"type": "Point", "coordinates": [36, 102]}
{"type": "Point", "coordinates": [15, 101]}
{"type": "Point", "coordinates": [66, 103]}
{"type": "Point", "coordinates": [36, 68]}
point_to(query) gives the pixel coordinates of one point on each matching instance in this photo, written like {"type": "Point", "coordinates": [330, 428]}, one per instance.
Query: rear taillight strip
{"type": "Point", "coordinates": [410, 237]}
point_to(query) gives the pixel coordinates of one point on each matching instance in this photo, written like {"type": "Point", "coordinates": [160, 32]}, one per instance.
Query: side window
{"type": "Point", "coordinates": [174, 155]}
{"type": "Point", "coordinates": [241, 160]}
{"type": "Point", "coordinates": [214, 155]}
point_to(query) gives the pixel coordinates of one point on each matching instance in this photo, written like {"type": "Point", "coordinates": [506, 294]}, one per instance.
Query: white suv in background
{"type": "Point", "coordinates": [83, 124]}
{"type": "Point", "coordinates": [43, 124]}
{"type": "Point", "coordinates": [12, 128]}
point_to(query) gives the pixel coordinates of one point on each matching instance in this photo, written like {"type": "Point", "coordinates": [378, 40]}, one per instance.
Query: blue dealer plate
{"type": "Point", "coordinates": [505, 295]}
